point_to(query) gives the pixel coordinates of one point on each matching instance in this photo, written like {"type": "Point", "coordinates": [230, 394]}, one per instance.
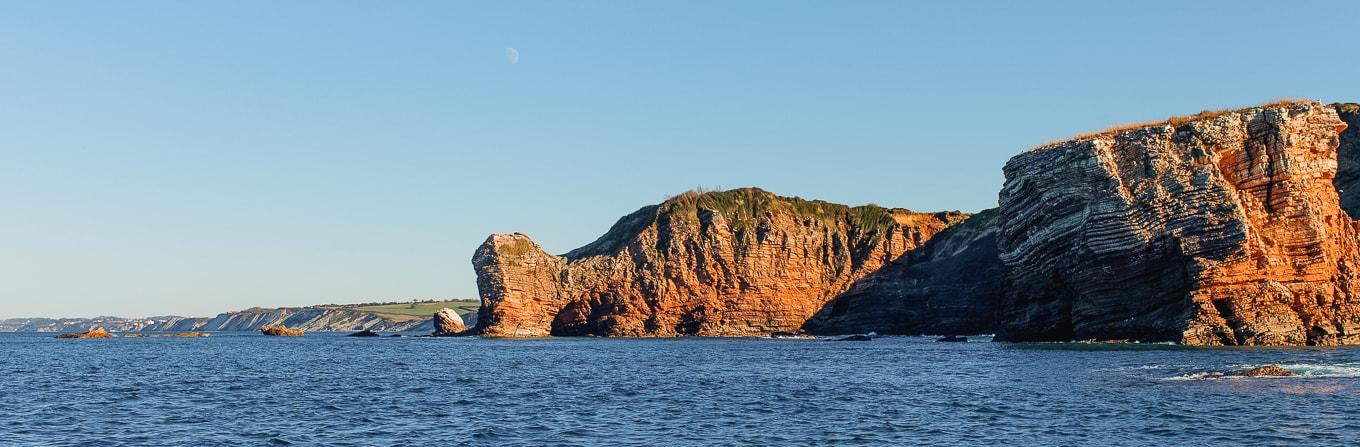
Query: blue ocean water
{"type": "Point", "coordinates": [325, 389]}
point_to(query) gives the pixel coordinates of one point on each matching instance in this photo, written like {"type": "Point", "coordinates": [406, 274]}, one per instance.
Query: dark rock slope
{"type": "Point", "coordinates": [1347, 179]}
{"type": "Point", "coordinates": [1218, 229]}
{"type": "Point", "coordinates": [951, 285]}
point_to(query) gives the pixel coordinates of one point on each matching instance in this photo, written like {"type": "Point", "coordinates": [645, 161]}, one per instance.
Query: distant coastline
{"type": "Point", "coordinates": [393, 316]}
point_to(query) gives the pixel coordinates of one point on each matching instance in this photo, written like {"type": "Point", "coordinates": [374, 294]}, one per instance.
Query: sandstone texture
{"type": "Point", "coordinates": [951, 285]}
{"type": "Point", "coordinates": [730, 263]}
{"type": "Point", "coordinates": [1218, 229]}
{"type": "Point", "coordinates": [1347, 179]}
{"type": "Point", "coordinates": [98, 332]}
{"type": "Point", "coordinates": [448, 323]}
{"type": "Point", "coordinates": [280, 331]}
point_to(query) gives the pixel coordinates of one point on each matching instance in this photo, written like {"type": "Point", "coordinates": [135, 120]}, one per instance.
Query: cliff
{"type": "Point", "coordinates": [949, 286]}
{"type": "Point", "coordinates": [731, 263]}
{"type": "Point", "coordinates": [1218, 229]}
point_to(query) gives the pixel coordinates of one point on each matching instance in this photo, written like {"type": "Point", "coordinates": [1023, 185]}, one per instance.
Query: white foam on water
{"type": "Point", "coordinates": [1300, 370]}
{"type": "Point", "coordinates": [1308, 370]}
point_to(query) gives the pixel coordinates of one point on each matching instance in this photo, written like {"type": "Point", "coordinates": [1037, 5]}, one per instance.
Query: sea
{"type": "Point", "coordinates": [331, 390]}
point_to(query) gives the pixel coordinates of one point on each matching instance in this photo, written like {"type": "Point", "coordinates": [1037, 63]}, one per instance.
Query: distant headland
{"type": "Point", "coordinates": [387, 316]}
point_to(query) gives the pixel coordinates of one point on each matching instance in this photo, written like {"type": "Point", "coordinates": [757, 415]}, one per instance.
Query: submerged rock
{"type": "Point", "coordinates": [98, 332]}
{"type": "Point", "coordinates": [1219, 229]}
{"type": "Point", "coordinates": [364, 333]}
{"type": "Point", "coordinates": [280, 331]}
{"type": "Point", "coordinates": [187, 334]}
{"type": "Point", "coordinates": [732, 263]}
{"type": "Point", "coordinates": [447, 323]}
{"type": "Point", "coordinates": [856, 337]}
{"type": "Point", "coordinates": [1265, 371]}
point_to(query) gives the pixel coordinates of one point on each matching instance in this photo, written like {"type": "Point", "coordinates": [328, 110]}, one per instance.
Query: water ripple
{"type": "Point", "coordinates": [234, 389]}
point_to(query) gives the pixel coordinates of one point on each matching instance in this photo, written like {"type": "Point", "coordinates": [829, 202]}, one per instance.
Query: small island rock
{"type": "Point", "coordinates": [98, 332]}
{"type": "Point", "coordinates": [280, 331]}
{"type": "Point", "coordinates": [448, 323]}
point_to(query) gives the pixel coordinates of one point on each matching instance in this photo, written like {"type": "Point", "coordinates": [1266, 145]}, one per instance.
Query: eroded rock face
{"type": "Point", "coordinates": [741, 262]}
{"type": "Point", "coordinates": [448, 323]}
{"type": "Point", "coordinates": [949, 286]}
{"type": "Point", "coordinates": [1219, 229]}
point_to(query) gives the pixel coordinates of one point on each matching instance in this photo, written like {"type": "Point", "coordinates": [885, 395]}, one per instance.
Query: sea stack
{"type": "Point", "coordinates": [448, 323]}
{"type": "Point", "coordinates": [729, 263]}
{"type": "Point", "coordinates": [1222, 228]}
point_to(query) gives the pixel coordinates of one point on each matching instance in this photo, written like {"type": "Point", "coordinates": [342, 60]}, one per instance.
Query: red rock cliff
{"type": "Point", "coordinates": [740, 262]}
{"type": "Point", "coordinates": [1218, 229]}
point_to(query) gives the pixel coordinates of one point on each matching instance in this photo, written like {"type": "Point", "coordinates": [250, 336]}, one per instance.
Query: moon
{"type": "Point", "coordinates": [512, 56]}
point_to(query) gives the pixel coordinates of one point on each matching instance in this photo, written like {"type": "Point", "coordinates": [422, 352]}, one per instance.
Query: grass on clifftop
{"type": "Point", "coordinates": [1175, 121]}
{"type": "Point", "coordinates": [422, 309]}
{"type": "Point", "coordinates": [742, 208]}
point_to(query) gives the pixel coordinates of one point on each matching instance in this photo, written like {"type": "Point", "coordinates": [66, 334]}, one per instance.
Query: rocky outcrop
{"type": "Point", "coordinates": [1218, 229]}
{"type": "Point", "coordinates": [740, 262]}
{"type": "Point", "coordinates": [447, 323]}
{"type": "Point", "coordinates": [1265, 371]}
{"type": "Point", "coordinates": [280, 331]}
{"type": "Point", "coordinates": [949, 286]}
{"type": "Point", "coordinates": [98, 332]}
{"type": "Point", "coordinates": [1347, 179]}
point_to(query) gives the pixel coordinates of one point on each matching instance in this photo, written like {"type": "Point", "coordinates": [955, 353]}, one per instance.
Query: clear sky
{"type": "Point", "coordinates": [169, 157]}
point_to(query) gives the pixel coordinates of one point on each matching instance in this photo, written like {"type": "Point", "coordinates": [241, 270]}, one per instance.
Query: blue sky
{"type": "Point", "coordinates": [165, 157]}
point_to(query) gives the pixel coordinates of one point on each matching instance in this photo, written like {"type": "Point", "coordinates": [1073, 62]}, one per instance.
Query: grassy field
{"type": "Point", "coordinates": [422, 309]}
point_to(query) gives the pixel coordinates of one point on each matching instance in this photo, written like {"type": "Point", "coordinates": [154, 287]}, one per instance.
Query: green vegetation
{"type": "Point", "coordinates": [745, 209]}
{"type": "Point", "coordinates": [422, 309]}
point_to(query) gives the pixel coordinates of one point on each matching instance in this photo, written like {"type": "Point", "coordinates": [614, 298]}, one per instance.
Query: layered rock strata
{"type": "Point", "coordinates": [1218, 229]}
{"type": "Point", "coordinates": [731, 263]}
{"type": "Point", "coordinates": [949, 286]}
